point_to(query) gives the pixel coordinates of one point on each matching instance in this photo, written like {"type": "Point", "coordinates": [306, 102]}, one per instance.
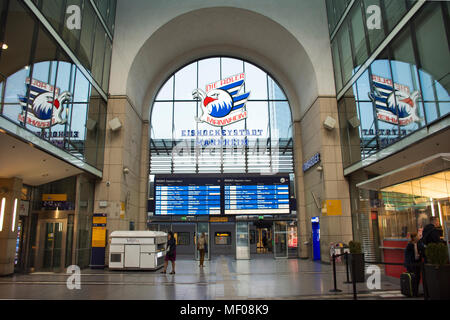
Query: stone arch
{"type": "Point", "coordinates": [222, 31]}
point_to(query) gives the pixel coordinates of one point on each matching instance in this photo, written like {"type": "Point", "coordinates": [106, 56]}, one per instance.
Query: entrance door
{"type": "Point", "coordinates": [281, 239]}
{"type": "Point", "coordinates": [51, 244]}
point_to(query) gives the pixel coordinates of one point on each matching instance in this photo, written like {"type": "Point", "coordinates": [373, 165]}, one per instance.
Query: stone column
{"type": "Point", "coordinates": [328, 184]}
{"type": "Point", "coordinates": [302, 232]}
{"type": "Point", "coordinates": [10, 191]}
{"type": "Point", "coordinates": [123, 168]}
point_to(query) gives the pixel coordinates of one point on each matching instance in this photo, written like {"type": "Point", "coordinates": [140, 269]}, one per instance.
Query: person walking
{"type": "Point", "coordinates": [171, 253]}
{"type": "Point", "coordinates": [413, 261]}
{"type": "Point", "coordinates": [201, 244]}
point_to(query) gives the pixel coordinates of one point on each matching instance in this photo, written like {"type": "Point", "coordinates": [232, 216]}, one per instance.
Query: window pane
{"type": "Point", "coordinates": [161, 119]}
{"type": "Point", "coordinates": [375, 35]}
{"type": "Point", "coordinates": [186, 82]}
{"type": "Point", "coordinates": [346, 54]}
{"type": "Point", "coordinates": [275, 92]}
{"type": "Point", "coordinates": [433, 50]}
{"type": "Point", "coordinates": [71, 37]}
{"type": "Point", "coordinates": [87, 35]}
{"type": "Point", "coordinates": [359, 40]}
{"type": "Point", "coordinates": [231, 67]}
{"type": "Point", "coordinates": [255, 82]}
{"type": "Point", "coordinates": [395, 9]}
{"type": "Point", "coordinates": [404, 73]}
{"type": "Point", "coordinates": [208, 72]}
{"type": "Point", "coordinates": [107, 65]}
{"type": "Point", "coordinates": [166, 92]}
{"type": "Point", "coordinates": [99, 53]}
{"type": "Point", "coordinates": [184, 118]}
{"type": "Point", "coordinates": [53, 10]}
{"type": "Point", "coordinates": [337, 65]}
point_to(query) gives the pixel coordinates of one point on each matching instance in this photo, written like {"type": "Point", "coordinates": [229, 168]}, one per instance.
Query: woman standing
{"type": "Point", "coordinates": [201, 248]}
{"type": "Point", "coordinates": [171, 253]}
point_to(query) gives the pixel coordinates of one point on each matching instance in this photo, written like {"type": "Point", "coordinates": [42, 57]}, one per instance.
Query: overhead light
{"type": "Point", "coordinates": [14, 216]}
{"type": "Point", "coordinates": [2, 213]}
{"type": "Point", "coordinates": [4, 46]}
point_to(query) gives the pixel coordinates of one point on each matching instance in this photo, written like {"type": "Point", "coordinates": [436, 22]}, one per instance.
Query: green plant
{"type": "Point", "coordinates": [437, 254]}
{"type": "Point", "coordinates": [355, 247]}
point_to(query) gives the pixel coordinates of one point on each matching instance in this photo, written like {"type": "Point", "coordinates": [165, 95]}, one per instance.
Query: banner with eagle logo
{"type": "Point", "coordinates": [222, 104]}
{"type": "Point", "coordinates": [44, 104]}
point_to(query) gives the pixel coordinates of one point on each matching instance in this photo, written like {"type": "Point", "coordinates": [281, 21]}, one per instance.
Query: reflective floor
{"type": "Point", "coordinates": [222, 278]}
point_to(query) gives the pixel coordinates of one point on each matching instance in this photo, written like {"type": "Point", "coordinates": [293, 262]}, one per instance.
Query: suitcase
{"type": "Point", "coordinates": [407, 284]}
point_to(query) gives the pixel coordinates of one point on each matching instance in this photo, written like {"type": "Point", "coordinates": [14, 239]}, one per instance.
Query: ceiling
{"type": "Point", "coordinates": [34, 166]}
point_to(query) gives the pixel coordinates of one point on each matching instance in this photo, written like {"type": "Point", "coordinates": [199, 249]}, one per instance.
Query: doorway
{"type": "Point", "coordinates": [51, 253]}
{"type": "Point", "coordinates": [263, 238]}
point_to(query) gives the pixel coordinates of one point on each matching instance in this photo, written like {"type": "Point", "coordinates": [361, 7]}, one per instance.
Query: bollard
{"type": "Point", "coordinates": [334, 275]}
{"type": "Point", "coordinates": [346, 267]}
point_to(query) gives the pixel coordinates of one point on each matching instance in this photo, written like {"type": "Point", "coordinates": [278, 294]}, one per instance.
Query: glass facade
{"type": "Point", "coordinates": [354, 41]}
{"type": "Point", "coordinates": [182, 144]}
{"type": "Point", "coordinates": [42, 89]}
{"type": "Point", "coordinates": [405, 89]}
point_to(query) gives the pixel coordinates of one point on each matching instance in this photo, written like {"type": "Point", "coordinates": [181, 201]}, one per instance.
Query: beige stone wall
{"type": "Point", "coordinates": [10, 189]}
{"type": "Point", "coordinates": [328, 184]}
{"type": "Point", "coordinates": [124, 148]}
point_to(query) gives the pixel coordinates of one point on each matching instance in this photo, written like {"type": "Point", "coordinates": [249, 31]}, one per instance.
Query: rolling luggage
{"type": "Point", "coordinates": [407, 284]}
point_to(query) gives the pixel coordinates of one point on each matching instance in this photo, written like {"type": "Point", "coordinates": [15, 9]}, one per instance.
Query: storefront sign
{"type": "Point", "coordinates": [44, 104]}
{"type": "Point", "coordinates": [395, 103]}
{"type": "Point", "coordinates": [222, 104]}
{"type": "Point", "coordinates": [311, 162]}
{"type": "Point", "coordinates": [54, 197]}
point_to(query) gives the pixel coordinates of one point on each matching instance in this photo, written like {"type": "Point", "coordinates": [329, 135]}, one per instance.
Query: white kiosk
{"type": "Point", "coordinates": [137, 250]}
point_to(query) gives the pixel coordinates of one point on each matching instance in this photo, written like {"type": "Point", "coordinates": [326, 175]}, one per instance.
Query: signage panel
{"type": "Point", "coordinates": [234, 195]}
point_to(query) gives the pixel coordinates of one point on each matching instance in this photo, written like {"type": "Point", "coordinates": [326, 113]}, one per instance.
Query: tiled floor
{"type": "Point", "coordinates": [222, 278]}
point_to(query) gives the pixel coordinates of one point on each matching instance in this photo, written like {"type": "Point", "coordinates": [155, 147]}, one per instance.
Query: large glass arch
{"type": "Point", "coordinates": [187, 137]}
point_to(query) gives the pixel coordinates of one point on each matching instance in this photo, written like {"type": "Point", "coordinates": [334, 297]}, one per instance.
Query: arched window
{"type": "Point", "coordinates": [238, 121]}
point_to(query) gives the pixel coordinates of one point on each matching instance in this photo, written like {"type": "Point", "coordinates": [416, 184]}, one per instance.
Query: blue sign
{"type": "Point", "coordinates": [311, 162]}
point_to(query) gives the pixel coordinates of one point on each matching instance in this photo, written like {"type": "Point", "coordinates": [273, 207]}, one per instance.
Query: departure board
{"type": "Point", "coordinates": [256, 195]}
{"type": "Point", "coordinates": [230, 195]}
{"type": "Point", "coordinates": [187, 196]}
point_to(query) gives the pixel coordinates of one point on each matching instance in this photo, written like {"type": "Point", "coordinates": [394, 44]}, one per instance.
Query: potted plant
{"type": "Point", "coordinates": [356, 258]}
{"type": "Point", "coordinates": [437, 271]}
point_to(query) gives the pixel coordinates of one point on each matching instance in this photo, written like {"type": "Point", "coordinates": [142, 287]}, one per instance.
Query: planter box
{"type": "Point", "coordinates": [360, 275]}
{"type": "Point", "coordinates": [438, 281]}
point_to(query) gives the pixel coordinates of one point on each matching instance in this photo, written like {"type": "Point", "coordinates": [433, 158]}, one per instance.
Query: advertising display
{"type": "Point", "coordinates": [257, 195]}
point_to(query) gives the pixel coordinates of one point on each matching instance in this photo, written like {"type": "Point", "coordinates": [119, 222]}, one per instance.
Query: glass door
{"type": "Point", "coordinates": [281, 239]}
{"type": "Point", "coordinates": [242, 241]}
{"type": "Point", "coordinates": [52, 245]}
{"type": "Point", "coordinates": [199, 229]}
